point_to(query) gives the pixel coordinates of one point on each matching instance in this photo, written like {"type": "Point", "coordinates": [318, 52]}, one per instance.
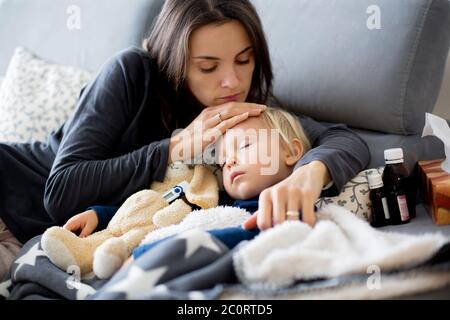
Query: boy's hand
{"type": "Point", "coordinates": [85, 223]}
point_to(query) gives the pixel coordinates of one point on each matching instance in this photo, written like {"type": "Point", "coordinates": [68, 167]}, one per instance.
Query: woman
{"type": "Point", "coordinates": [205, 62]}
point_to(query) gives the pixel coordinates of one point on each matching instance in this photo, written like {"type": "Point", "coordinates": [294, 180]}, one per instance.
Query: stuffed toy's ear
{"type": "Point", "coordinates": [204, 189]}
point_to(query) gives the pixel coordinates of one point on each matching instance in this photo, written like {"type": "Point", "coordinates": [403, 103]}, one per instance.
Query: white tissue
{"type": "Point", "coordinates": [438, 127]}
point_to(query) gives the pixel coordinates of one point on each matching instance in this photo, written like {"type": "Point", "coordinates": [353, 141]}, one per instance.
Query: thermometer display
{"type": "Point", "coordinates": [175, 192]}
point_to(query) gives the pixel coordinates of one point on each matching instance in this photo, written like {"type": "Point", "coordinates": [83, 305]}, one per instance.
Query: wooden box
{"type": "Point", "coordinates": [435, 190]}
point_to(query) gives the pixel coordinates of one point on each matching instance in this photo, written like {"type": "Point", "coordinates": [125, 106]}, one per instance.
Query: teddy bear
{"type": "Point", "coordinates": [104, 252]}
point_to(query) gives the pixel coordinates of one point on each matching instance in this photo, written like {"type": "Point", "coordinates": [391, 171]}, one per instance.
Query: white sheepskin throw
{"type": "Point", "coordinates": [214, 218]}
{"type": "Point", "coordinates": [339, 244]}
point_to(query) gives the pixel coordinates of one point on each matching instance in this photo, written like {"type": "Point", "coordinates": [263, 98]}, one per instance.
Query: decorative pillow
{"type": "Point", "coordinates": [354, 196]}
{"type": "Point", "coordinates": [37, 96]}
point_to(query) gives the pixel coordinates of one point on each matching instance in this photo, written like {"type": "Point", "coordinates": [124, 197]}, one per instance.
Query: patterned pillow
{"type": "Point", "coordinates": [37, 96]}
{"type": "Point", "coordinates": [354, 196]}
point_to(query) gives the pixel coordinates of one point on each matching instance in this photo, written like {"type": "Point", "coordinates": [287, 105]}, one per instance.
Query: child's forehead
{"type": "Point", "coordinates": [251, 126]}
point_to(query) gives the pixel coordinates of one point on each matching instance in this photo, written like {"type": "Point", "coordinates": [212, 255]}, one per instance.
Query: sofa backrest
{"type": "Point", "coordinates": [442, 107]}
{"type": "Point", "coordinates": [372, 64]}
{"type": "Point", "coordinates": [82, 33]}
{"type": "Point", "coordinates": [329, 62]}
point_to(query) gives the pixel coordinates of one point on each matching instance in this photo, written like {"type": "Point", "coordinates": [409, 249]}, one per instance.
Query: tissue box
{"type": "Point", "coordinates": [435, 190]}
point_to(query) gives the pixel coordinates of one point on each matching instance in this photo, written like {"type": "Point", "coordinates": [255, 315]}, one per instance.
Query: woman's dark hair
{"type": "Point", "coordinates": [168, 41]}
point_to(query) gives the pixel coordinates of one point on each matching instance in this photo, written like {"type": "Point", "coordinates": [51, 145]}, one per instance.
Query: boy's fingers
{"type": "Point", "coordinates": [72, 225]}
{"type": "Point", "coordinates": [87, 230]}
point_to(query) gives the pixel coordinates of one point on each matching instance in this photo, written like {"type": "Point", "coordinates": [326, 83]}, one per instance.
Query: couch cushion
{"type": "Point", "coordinates": [414, 147]}
{"type": "Point", "coordinates": [50, 28]}
{"type": "Point", "coordinates": [37, 97]}
{"type": "Point", "coordinates": [329, 65]}
{"type": "Point", "coordinates": [355, 195]}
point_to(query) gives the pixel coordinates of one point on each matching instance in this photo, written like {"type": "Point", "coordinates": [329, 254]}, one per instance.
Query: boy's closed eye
{"type": "Point", "coordinates": [245, 145]}
{"type": "Point", "coordinates": [246, 142]}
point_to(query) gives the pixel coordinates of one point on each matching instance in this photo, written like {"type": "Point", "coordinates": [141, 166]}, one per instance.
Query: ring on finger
{"type": "Point", "coordinates": [219, 116]}
{"type": "Point", "coordinates": [293, 215]}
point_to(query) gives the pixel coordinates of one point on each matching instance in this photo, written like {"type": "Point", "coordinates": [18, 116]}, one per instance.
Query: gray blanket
{"type": "Point", "coordinates": [197, 265]}
{"type": "Point", "coordinates": [168, 272]}
{"type": "Point", "coordinates": [180, 267]}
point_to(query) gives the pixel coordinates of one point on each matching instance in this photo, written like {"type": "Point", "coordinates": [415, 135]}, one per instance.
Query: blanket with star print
{"type": "Point", "coordinates": [341, 257]}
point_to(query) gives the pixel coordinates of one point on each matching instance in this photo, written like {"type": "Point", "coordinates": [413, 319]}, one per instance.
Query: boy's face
{"type": "Point", "coordinates": [252, 157]}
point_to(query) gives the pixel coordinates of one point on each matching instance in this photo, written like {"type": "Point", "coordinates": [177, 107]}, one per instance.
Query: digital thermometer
{"type": "Point", "coordinates": [176, 192]}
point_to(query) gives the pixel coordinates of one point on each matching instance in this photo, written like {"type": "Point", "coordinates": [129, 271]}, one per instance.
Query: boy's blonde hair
{"type": "Point", "coordinates": [288, 127]}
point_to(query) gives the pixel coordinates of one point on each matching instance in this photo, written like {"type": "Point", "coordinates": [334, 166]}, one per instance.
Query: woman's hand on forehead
{"type": "Point", "coordinates": [209, 125]}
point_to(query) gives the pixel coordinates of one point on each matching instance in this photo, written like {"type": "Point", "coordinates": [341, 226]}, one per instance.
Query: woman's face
{"type": "Point", "coordinates": [221, 64]}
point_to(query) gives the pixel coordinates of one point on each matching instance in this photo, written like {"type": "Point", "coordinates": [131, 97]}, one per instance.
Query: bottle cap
{"type": "Point", "coordinates": [393, 155]}
{"type": "Point", "coordinates": [375, 181]}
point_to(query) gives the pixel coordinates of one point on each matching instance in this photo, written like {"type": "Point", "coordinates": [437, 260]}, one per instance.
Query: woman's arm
{"type": "Point", "coordinates": [337, 155]}
{"type": "Point", "coordinates": [84, 171]}
{"type": "Point", "coordinates": [342, 151]}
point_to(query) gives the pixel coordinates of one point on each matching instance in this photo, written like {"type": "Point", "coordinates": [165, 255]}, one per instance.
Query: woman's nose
{"type": "Point", "coordinates": [230, 79]}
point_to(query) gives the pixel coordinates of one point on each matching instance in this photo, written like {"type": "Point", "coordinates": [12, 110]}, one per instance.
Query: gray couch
{"type": "Point", "coordinates": [328, 60]}
{"type": "Point", "coordinates": [332, 66]}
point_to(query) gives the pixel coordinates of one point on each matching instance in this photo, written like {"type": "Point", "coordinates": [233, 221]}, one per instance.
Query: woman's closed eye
{"type": "Point", "coordinates": [213, 68]}
{"type": "Point", "coordinates": [208, 70]}
{"type": "Point", "coordinates": [244, 58]}
{"type": "Point", "coordinates": [243, 62]}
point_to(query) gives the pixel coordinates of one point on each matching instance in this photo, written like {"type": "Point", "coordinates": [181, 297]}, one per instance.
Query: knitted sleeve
{"type": "Point", "coordinates": [84, 172]}
{"type": "Point", "coordinates": [343, 152]}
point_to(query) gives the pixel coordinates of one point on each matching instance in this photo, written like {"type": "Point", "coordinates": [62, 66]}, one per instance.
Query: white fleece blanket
{"type": "Point", "coordinates": [204, 219]}
{"type": "Point", "coordinates": [339, 244]}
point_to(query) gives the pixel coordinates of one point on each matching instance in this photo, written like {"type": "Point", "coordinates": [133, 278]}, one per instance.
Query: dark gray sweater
{"type": "Point", "coordinates": [115, 144]}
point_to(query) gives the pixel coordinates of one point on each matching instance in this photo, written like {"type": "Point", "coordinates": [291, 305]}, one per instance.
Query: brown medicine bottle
{"type": "Point", "coordinates": [394, 179]}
